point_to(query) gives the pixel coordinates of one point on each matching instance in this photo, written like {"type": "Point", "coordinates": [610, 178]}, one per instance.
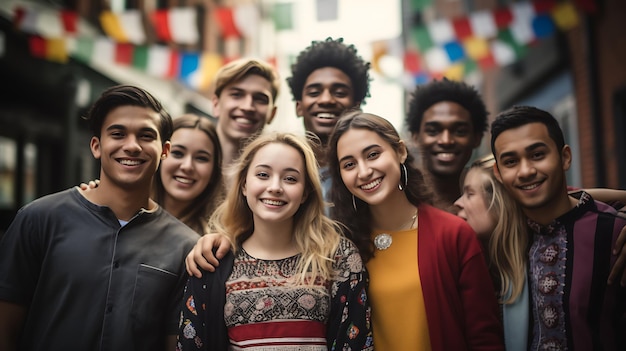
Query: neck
{"type": "Point", "coordinates": [271, 241]}
{"type": "Point", "coordinates": [230, 149]}
{"type": "Point", "coordinates": [124, 202]}
{"type": "Point", "coordinates": [173, 206]}
{"type": "Point", "coordinates": [552, 210]}
{"type": "Point", "coordinates": [393, 215]}
{"type": "Point", "coordinates": [447, 189]}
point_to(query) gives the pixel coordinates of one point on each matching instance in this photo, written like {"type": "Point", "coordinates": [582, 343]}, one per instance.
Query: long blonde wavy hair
{"type": "Point", "coordinates": [317, 236]}
{"type": "Point", "coordinates": [508, 243]}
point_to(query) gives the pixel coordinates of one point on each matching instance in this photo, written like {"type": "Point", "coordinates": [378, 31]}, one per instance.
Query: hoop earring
{"type": "Point", "coordinates": [353, 203]}
{"type": "Point", "coordinates": [401, 187]}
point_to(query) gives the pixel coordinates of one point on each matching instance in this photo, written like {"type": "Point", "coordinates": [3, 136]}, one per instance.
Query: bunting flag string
{"type": "Point", "coordinates": [486, 39]}
{"type": "Point", "coordinates": [55, 36]}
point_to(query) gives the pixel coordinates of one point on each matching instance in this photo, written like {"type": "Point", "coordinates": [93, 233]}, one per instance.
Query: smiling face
{"type": "Point", "coordinates": [369, 166]}
{"type": "Point", "coordinates": [275, 183]}
{"type": "Point", "coordinates": [474, 204]}
{"type": "Point", "coordinates": [327, 93]}
{"type": "Point", "coordinates": [129, 147]}
{"type": "Point", "coordinates": [243, 108]}
{"type": "Point", "coordinates": [446, 138]}
{"type": "Point", "coordinates": [187, 171]}
{"type": "Point", "coordinates": [532, 169]}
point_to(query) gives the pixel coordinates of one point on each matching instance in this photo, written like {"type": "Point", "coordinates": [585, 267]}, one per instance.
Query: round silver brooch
{"type": "Point", "coordinates": [383, 241]}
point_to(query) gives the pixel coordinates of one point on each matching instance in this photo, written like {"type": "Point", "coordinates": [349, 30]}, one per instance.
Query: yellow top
{"type": "Point", "coordinates": [395, 292]}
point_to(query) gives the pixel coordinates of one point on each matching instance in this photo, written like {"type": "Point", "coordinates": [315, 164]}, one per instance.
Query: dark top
{"type": "Point", "coordinates": [89, 283]}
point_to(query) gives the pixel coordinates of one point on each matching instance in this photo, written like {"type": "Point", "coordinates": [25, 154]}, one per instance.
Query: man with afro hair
{"type": "Point", "coordinates": [447, 120]}
{"type": "Point", "coordinates": [327, 79]}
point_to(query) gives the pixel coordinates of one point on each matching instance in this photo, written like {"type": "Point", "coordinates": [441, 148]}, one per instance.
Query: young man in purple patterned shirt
{"type": "Point", "coordinates": [569, 258]}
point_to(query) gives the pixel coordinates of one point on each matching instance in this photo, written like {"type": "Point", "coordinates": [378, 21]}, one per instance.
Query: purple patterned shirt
{"type": "Point", "coordinates": [569, 262]}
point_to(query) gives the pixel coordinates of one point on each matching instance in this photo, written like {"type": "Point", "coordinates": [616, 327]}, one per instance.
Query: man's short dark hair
{"type": "Point", "coordinates": [425, 96]}
{"type": "Point", "coordinates": [518, 116]}
{"type": "Point", "coordinates": [331, 53]}
{"type": "Point", "coordinates": [127, 95]}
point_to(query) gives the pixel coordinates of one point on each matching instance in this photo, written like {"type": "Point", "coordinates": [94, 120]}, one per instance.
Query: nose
{"type": "Point", "coordinates": [186, 163]}
{"type": "Point", "coordinates": [459, 203]}
{"type": "Point", "coordinates": [326, 97]}
{"type": "Point", "coordinates": [247, 103]}
{"type": "Point", "coordinates": [446, 137]}
{"type": "Point", "coordinates": [132, 145]}
{"type": "Point", "coordinates": [275, 187]}
{"type": "Point", "coordinates": [526, 169]}
{"type": "Point", "coordinates": [364, 171]}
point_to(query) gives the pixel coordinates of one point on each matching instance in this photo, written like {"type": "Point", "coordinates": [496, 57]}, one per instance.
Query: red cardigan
{"type": "Point", "coordinates": [460, 301]}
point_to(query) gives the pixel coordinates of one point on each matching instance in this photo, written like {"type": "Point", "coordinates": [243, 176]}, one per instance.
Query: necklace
{"type": "Point", "coordinates": [383, 241]}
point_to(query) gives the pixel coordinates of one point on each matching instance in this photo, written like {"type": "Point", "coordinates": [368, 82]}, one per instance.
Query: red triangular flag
{"type": "Point", "coordinates": [224, 17]}
{"type": "Point", "coordinates": [37, 46]}
{"type": "Point", "coordinates": [161, 25]}
{"type": "Point", "coordinates": [69, 19]}
{"type": "Point", "coordinates": [462, 28]}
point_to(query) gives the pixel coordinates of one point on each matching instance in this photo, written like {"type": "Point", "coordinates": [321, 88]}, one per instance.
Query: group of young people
{"type": "Point", "coordinates": [391, 268]}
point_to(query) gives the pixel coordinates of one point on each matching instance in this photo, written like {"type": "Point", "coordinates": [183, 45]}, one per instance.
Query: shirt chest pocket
{"type": "Point", "coordinates": [152, 298]}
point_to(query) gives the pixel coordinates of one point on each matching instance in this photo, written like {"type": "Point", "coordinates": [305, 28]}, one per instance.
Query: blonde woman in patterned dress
{"type": "Point", "coordinates": [291, 281]}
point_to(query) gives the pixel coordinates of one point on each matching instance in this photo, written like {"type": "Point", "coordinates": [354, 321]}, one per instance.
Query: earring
{"type": "Point", "coordinates": [353, 203]}
{"type": "Point", "coordinates": [163, 156]}
{"type": "Point", "coordinates": [406, 177]}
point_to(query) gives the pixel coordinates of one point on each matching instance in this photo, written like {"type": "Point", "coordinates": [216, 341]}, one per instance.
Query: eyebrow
{"type": "Point", "coordinates": [457, 123]}
{"type": "Point", "coordinates": [366, 149]}
{"type": "Point", "coordinates": [288, 169]}
{"type": "Point", "coordinates": [528, 148]}
{"type": "Point", "coordinates": [123, 127]}
{"type": "Point", "coordinates": [333, 85]}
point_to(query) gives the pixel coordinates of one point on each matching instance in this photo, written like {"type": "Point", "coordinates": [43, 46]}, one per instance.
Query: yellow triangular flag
{"type": "Point", "coordinates": [565, 16]}
{"type": "Point", "coordinates": [56, 50]}
{"type": "Point", "coordinates": [476, 48]}
{"type": "Point", "coordinates": [112, 27]}
{"type": "Point", "coordinates": [209, 64]}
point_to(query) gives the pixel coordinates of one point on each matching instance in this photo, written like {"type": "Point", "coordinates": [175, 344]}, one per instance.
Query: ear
{"type": "Point", "coordinates": [167, 147]}
{"type": "Point", "coordinates": [403, 152]}
{"type": "Point", "coordinates": [299, 109]}
{"type": "Point", "coordinates": [94, 145]}
{"type": "Point", "coordinates": [270, 118]}
{"type": "Point", "coordinates": [496, 172]}
{"type": "Point", "coordinates": [215, 100]}
{"type": "Point", "coordinates": [566, 157]}
{"type": "Point", "coordinates": [244, 192]}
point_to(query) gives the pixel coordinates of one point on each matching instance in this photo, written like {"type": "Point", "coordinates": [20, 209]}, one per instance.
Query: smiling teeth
{"type": "Point", "coordinates": [130, 162]}
{"type": "Point", "coordinates": [244, 121]}
{"type": "Point", "coordinates": [183, 180]}
{"type": "Point", "coordinates": [274, 202]}
{"type": "Point", "coordinates": [530, 187]}
{"type": "Point", "coordinates": [326, 115]}
{"type": "Point", "coordinates": [371, 185]}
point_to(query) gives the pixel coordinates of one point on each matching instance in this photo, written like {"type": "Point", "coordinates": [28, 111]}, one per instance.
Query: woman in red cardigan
{"type": "Point", "coordinates": [429, 285]}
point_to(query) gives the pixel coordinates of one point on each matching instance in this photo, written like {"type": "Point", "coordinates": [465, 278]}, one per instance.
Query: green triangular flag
{"type": "Point", "coordinates": [140, 57]}
{"type": "Point", "coordinates": [421, 36]}
{"type": "Point", "coordinates": [282, 15]}
{"type": "Point", "coordinates": [84, 49]}
{"type": "Point", "coordinates": [419, 5]}
{"type": "Point", "coordinates": [506, 36]}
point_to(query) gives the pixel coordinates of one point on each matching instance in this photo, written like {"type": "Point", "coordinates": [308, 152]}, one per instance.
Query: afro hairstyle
{"type": "Point", "coordinates": [437, 91]}
{"type": "Point", "coordinates": [330, 53]}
